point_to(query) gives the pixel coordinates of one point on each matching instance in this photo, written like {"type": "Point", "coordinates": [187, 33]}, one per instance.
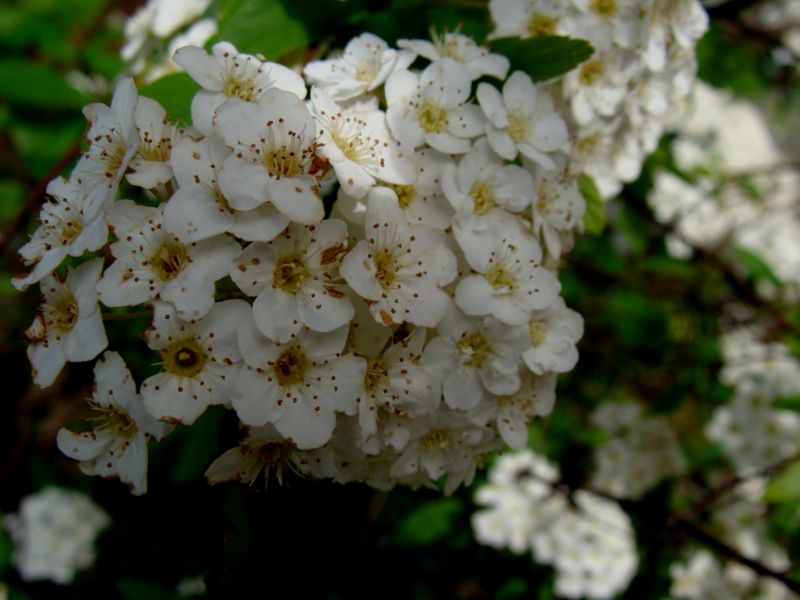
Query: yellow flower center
{"type": "Point", "coordinates": [436, 439]}
{"type": "Point", "coordinates": [604, 8]}
{"type": "Point", "coordinates": [537, 332]}
{"type": "Point", "coordinates": [482, 196]}
{"type": "Point", "coordinates": [239, 88]}
{"type": "Point", "coordinates": [168, 260]}
{"type": "Point", "coordinates": [184, 358]}
{"type": "Point", "coordinates": [500, 278]}
{"type": "Point", "coordinates": [375, 375]}
{"type": "Point", "coordinates": [432, 118]}
{"type": "Point", "coordinates": [474, 348]}
{"type": "Point", "coordinates": [283, 162]}
{"type": "Point", "coordinates": [541, 25]}
{"type": "Point", "coordinates": [290, 274]}
{"type": "Point", "coordinates": [591, 72]}
{"type": "Point", "coordinates": [519, 128]}
{"type": "Point", "coordinates": [63, 314]}
{"type": "Point", "coordinates": [405, 193]}
{"type": "Point", "coordinates": [114, 420]}
{"type": "Point", "coordinates": [290, 368]}
{"type": "Point", "coordinates": [385, 267]}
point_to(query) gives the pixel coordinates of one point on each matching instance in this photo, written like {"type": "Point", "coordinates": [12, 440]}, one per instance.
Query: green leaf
{"type": "Point", "coordinates": [786, 486]}
{"type": "Point", "coordinates": [594, 219]}
{"type": "Point", "coordinates": [788, 403]}
{"type": "Point", "coordinates": [31, 84]}
{"type": "Point", "coordinates": [260, 26]}
{"type": "Point", "coordinates": [755, 266]}
{"type": "Point", "coordinates": [430, 523]}
{"type": "Point", "coordinates": [199, 447]}
{"type": "Point", "coordinates": [543, 57]}
{"type": "Point", "coordinates": [12, 193]}
{"type": "Point", "coordinates": [174, 92]}
{"type": "Point", "coordinates": [135, 589]}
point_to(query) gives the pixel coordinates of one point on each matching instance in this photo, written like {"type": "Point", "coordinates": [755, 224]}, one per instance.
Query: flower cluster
{"type": "Point", "coordinates": [641, 450]}
{"type": "Point", "coordinates": [753, 434]}
{"type": "Point", "coordinates": [365, 272]}
{"type": "Point", "coordinates": [736, 190]}
{"type": "Point", "coordinates": [621, 100]}
{"type": "Point", "coordinates": [54, 533]}
{"type": "Point", "coordinates": [586, 538]}
{"type": "Point", "coordinates": [737, 518]}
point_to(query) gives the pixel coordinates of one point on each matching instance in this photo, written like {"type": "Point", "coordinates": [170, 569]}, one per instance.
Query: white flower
{"type": "Point", "coordinates": [199, 361]}
{"type": "Point", "coordinates": [227, 73]}
{"type": "Point", "coordinates": [153, 264]}
{"type": "Point", "coordinates": [431, 108]}
{"type": "Point", "coordinates": [116, 445]}
{"type": "Point", "coordinates": [150, 166]}
{"type": "Point", "coordinates": [474, 356]}
{"type": "Point", "coordinates": [521, 120]}
{"type": "Point", "coordinates": [294, 280]}
{"type": "Point", "coordinates": [54, 533]}
{"type": "Point", "coordinates": [395, 389]}
{"type": "Point", "coordinates": [273, 156]}
{"type": "Point", "coordinates": [199, 210]}
{"type": "Point", "coordinates": [400, 269]}
{"type": "Point", "coordinates": [476, 59]}
{"type": "Point", "coordinates": [112, 143]}
{"type": "Point", "coordinates": [358, 146]}
{"type": "Point", "coordinates": [534, 398]}
{"type": "Point", "coordinates": [297, 386]}
{"type": "Point", "coordinates": [421, 199]}
{"type": "Point", "coordinates": [68, 326]}
{"type": "Point", "coordinates": [528, 18]}
{"type": "Point", "coordinates": [366, 63]}
{"type": "Point", "coordinates": [482, 182]}
{"type": "Point", "coordinates": [557, 209]}
{"type": "Point", "coordinates": [599, 85]}
{"type": "Point", "coordinates": [65, 230]}
{"type": "Point", "coordinates": [264, 449]}
{"type": "Point", "coordinates": [553, 333]}
{"type": "Point", "coordinates": [510, 283]}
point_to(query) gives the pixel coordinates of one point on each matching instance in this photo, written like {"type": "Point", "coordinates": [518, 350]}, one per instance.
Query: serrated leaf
{"type": "Point", "coordinates": [786, 486]}
{"type": "Point", "coordinates": [27, 83]}
{"type": "Point", "coordinates": [430, 523]}
{"type": "Point", "coordinates": [756, 267]}
{"type": "Point", "coordinates": [260, 26]}
{"type": "Point", "coordinates": [174, 92]}
{"type": "Point", "coordinates": [594, 219]}
{"type": "Point", "coordinates": [543, 57]}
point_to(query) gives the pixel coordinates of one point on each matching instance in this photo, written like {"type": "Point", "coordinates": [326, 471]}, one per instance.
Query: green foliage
{"type": "Point", "coordinates": [430, 523]}
{"type": "Point", "coordinates": [135, 589]}
{"type": "Point", "coordinates": [726, 62]}
{"type": "Point", "coordinates": [543, 57]}
{"type": "Point", "coordinates": [32, 84]}
{"type": "Point", "coordinates": [755, 267]}
{"type": "Point", "coordinates": [594, 219]}
{"type": "Point", "coordinates": [174, 92]}
{"type": "Point", "coordinates": [261, 26]}
{"type": "Point", "coordinates": [199, 446]}
{"type": "Point", "coordinates": [786, 486]}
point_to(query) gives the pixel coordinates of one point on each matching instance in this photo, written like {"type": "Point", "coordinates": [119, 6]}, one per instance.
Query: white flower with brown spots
{"type": "Point", "coordinates": [150, 166]}
{"type": "Point", "coordinates": [152, 264]}
{"type": "Point", "coordinates": [521, 120]}
{"type": "Point", "coordinates": [295, 280]}
{"type": "Point", "coordinates": [68, 326]}
{"type": "Point", "coordinates": [66, 230]}
{"type": "Point", "coordinates": [199, 361]}
{"type": "Point", "coordinates": [432, 107]}
{"type": "Point", "coordinates": [227, 73]}
{"type": "Point", "coordinates": [358, 145]}
{"type": "Point", "coordinates": [112, 143]}
{"type": "Point", "coordinates": [299, 385]}
{"type": "Point", "coordinates": [510, 282]}
{"type": "Point", "coordinates": [116, 443]}
{"type": "Point", "coordinates": [365, 64]}
{"type": "Point", "coordinates": [399, 269]}
{"type": "Point", "coordinates": [477, 60]}
{"type": "Point", "coordinates": [199, 210]}
{"type": "Point", "coordinates": [553, 334]}
{"type": "Point", "coordinates": [273, 159]}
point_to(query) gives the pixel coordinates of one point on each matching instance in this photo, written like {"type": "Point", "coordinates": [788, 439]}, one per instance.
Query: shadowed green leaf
{"type": "Point", "coordinates": [785, 486]}
{"type": "Point", "coordinates": [28, 83]}
{"type": "Point", "coordinates": [543, 57]}
{"type": "Point", "coordinates": [594, 219]}
{"type": "Point", "coordinates": [174, 93]}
